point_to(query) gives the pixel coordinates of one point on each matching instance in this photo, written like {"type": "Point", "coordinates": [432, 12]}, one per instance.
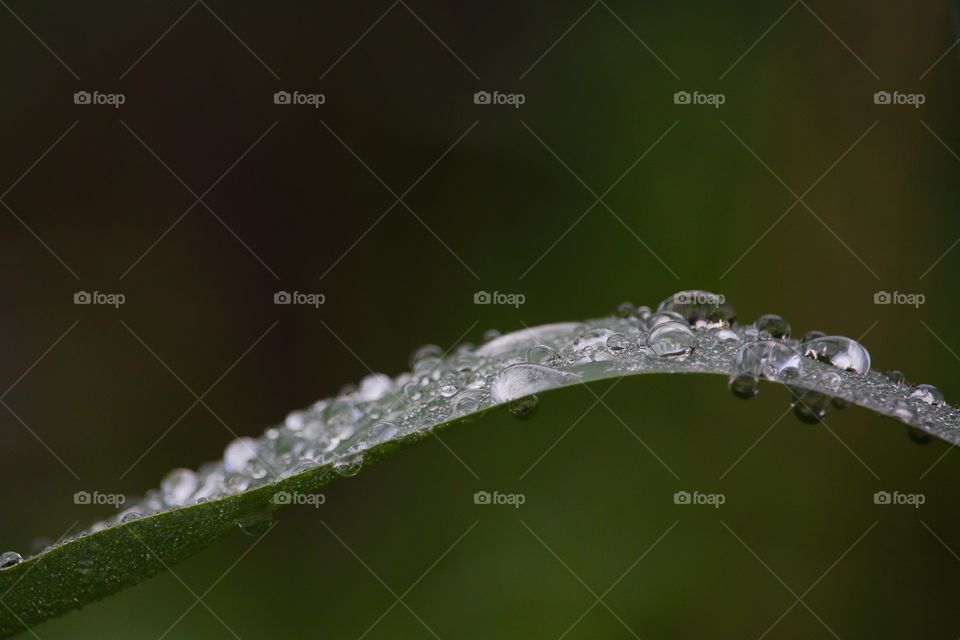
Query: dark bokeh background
{"type": "Point", "coordinates": [303, 209]}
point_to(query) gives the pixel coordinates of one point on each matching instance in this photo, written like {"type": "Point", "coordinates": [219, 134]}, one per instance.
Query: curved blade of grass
{"type": "Point", "coordinates": [112, 558]}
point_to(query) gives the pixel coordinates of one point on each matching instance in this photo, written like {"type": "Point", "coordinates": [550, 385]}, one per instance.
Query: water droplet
{"type": "Point", "coordinates": [700, 308]}
{"type": "Point", "coordinates": [374, 386]}
{"type": "Point", "coordinates": [626, 309]}
{"type": "Point", "coordinates": [541, 354]}
{"type": "Point", "coordinates": [744, 385]}
{"type": "Point", "coordinates": [919, 435]}
{"type": "Point", "coordinates": [810, 407]}
{"type": "Point", "coordinates": [466, 402]}
{"type": "Point", "coordinates": [671, 339]}
{"type": "Point", "coordinates": [178, 486]}
{"type": "Point", "coordinates": [256, 524]}
{"type": "Point", "coordinates": [617, 342]}
{"type": "Point", "coordinates": [896, 377]}
{"type": "Point", "coordinates": [447, 389]}
{"type": "Point", "coordinates": [774, 325]}
{"type": "Point", "coordinates": [526, 338]}
{"type": "Point", "coordinates": [130, 516]}
{"type": "Point", "coordinates": [812, 335]}
{"type": "Point", "coordinates": [349, 466]}
{"type": "Point", "coordinates": [928, 394]}
{"type": "Point", "coordinates": [839, 351]}
{"type": "Point", "coordinates": [660, 317]}
{"type": "Point", "coordinates": [239, 453]}
{"type": "Point", "coordinates": [832, 379]}
{"type": "Point", "coordinates": [901, 409]}
{"type": "Point", "coordinates": [381, 432]}
{"type": "Point", "coordinates": [520, 380]}
{"type": "Point", "coordinates": [426, 351]}
{"type": "Point", "coordinates": [9, 559]}
{"type": "Point", "coordinates": [770, 359]}
{"type": "Point", "coordinates": [525, 407]}
{"type": "Point", "coordinates": [592, 340]}
{"type": "Point", "coordinates": [727, 335]}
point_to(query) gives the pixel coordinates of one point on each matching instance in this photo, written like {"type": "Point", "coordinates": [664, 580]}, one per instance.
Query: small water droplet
{"type": "Point", "coordinates": [928, 394]}
{"type": "Point", "coordinates": [901, 409]}
{"type": "Point", "coordinates": [919, 435]}
{"type": "Point", "coordinates": [256, 524]}
{"type": "Point", "coordinates": [727, 335]}
{"type": "Point", "coordinates": [744, 385]}
{"type": "Point", "coordinates": [839, 351]}
{"type": "Point", "coordinates": [672, 339]}
{"type": "Point", "coordinates": [832, 379]}
{"type": "Point", "coordinates": [617, 342]}
{"type": "Point", "coordinates": [896, 377]}
{"type": "Point", "coordinates": [525, 407]}
{"type": "Point", "coordinates": [810, 407]}
{"type": "Point", "coordinates": [626, 309]}
{"type": "Point", "coordinates": [812, 335]}
{"type": "Point", "coordinates": [178, 486]}
{"type": "Point", "coordinates": [130, 516]}
{"type": "Point", "coordinates": [349, 466]}
{"type": "Point", "coordinates": [447, 389]}
{"type": "Point", "coordinates": [9, 559]}
{"type": "Point", "coordinates": [426, 351]}
{"type": "Point", "coordinates": [773, 324]}
{"type": "Point", "coordinates": [381, 432]}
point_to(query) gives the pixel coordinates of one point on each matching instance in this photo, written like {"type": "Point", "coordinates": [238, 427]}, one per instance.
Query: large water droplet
{"type": "Point", "coordinates": [256, 524]}
{"type": "Point", "coordinates": [672, 339]}
{"type": "Point", "coordinates": [9, 559]}
{"type": "Point", "coordinates": [521, 380]}
{"type": "Point", "coordinates": [661, 317]}
{"type": "Point", "coordinates": [349, 465]}
{"type": "Point", "coordinates": [839, 351]}
{"type": "Point", "coordinates": [744, 385]}
{"type": "Point", "coordinates": [928, 394]}
{"type": "Point", "coordinates": [770, 359]}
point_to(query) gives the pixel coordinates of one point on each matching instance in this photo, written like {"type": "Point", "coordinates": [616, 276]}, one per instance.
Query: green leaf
{"type": "Point", "coordinates": [341, 436]}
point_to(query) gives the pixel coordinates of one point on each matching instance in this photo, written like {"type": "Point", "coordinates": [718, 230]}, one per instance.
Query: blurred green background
{"type": "Point", "coordinates": [508, 203]}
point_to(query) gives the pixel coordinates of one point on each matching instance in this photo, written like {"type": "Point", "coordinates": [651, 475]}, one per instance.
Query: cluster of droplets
{"type": "Point", "coordinates": [689, 331]}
